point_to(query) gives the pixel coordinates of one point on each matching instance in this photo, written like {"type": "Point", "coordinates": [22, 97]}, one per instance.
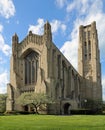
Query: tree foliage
{"type": "Point", "coordinates": [37, 100]}
{"type": "Point", "coordinates": [94, 104]}
{"type": "Point", "coordinates": [3, 102]}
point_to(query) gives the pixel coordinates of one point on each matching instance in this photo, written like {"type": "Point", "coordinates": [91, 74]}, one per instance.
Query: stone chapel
{"type": "Point", "coordinates": [37, 65]}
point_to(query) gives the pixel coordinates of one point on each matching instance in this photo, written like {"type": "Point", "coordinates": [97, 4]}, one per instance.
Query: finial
{"type": "Point", "coordinates": [30, 32]}
{"type": "Point", "coordinates": [15, 35]}
{"type": "Point", "coordinates": [15, 38]}
{"type": "Point", "coordinates": [47, 21]}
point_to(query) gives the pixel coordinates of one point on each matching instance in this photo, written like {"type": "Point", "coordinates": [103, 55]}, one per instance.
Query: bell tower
{"type": "Point", "coordinates": [89, 66]}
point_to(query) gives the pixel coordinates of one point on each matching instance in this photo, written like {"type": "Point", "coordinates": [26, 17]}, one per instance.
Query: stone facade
{"type": "Point", "coordinates": [38, 66]}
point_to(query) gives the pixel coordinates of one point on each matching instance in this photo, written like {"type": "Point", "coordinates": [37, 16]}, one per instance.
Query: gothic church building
{"type": "Point", "coordinates": [37, 65]}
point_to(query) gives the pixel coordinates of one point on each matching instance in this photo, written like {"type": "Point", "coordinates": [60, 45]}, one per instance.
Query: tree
{"type": "Point", "coordinates": [3, 102]}
{"type": "Point", "coordinates": [94, 105]}
{"type": "Point", "coordinates": [37, 100]}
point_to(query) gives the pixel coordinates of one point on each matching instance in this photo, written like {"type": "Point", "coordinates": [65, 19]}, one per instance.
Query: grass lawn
{"type": "Point", "coordinates": [47, 122]}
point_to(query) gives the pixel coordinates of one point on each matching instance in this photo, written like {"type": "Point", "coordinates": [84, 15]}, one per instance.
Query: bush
{"type": "Point", "coordinates": [18, 112]}
{"type": "Point", "coordinates": [3, 103]}
{"type": "Point", "coordinates": [1, 114]}
{"type": "Point", "coordinates": [10, 113]}
{"type": "Point", "coordinates": [85, 112]}
{"type": "Point", "coordinates": [25, 112]}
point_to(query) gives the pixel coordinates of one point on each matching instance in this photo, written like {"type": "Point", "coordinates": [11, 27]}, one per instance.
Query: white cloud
{"type": "Point", "coordinates": [55, 25]}
{"type": "Point", "coordinates": [84, 7]}
{"type": "Point", "coordinates": [5, 48]}
{"type": "Point", "coordinates": [2, 61]}
{"type": "Point", "coordinates": [3, 81]}
{"type": "Point", "coordinates": [88, 11]}
{"type": "Point", "coordinates": [7, 8]}
{"type": "Point", "coordinates": [60, 3]}
{"type": "Point", "coordinates": [69, 49]}
{"type": "Point", "coordinates": [103, 84]}
{"type": "Point", "coordinates": [71, 6]}
{"type": "Point", "coordinates": [37, 29]}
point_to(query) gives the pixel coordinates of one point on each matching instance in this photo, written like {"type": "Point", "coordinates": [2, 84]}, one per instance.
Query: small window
{"type": "Point", "coordinates": [85, 56]}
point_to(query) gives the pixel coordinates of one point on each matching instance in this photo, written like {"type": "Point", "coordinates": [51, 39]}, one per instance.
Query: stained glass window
{"type": "Point", "coordinates": [31, 68]}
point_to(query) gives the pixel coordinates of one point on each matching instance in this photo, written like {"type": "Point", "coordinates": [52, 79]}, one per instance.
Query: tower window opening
{"type": "Point", "coordinates": [85, 35]}
{"type": "Point", "coordinates": [89, 45]}
{"type": "Point", "coordinates": [88, 34]}
{"type": "Point", "coordinates": [85, 47]}
{"type": "Point", "coordinates": [89, 56]}
{"type": "Point", "coordinates": [85, 56]}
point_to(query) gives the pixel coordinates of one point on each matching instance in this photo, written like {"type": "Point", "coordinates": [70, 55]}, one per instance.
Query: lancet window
{"type": "Point", "coordinates": [89, 46]}
{"type": "Point", "coordinates": [31, 68]}
{"type": "Point", "coordinates": [88, 34]}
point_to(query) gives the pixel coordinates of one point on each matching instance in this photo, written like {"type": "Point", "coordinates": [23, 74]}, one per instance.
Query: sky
{"type": "Point", "coordinates": [65, 17]}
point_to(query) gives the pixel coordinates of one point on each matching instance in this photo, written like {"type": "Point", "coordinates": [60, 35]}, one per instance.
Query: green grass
{"type": "Point", "coordinates": [47, 122]}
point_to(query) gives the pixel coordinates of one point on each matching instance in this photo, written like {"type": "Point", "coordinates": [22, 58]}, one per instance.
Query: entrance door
{"type": "Point", "coordinates": [26, 108]}
{"type": "Point", "coordinates": [67, 108]}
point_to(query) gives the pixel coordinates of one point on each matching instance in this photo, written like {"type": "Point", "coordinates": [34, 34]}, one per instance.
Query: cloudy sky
{"type": "Point", "coordinates": [65, 17]}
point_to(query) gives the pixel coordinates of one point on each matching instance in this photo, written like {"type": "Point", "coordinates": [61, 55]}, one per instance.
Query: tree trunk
{"type": "Point", "coordinates": [36, 109]}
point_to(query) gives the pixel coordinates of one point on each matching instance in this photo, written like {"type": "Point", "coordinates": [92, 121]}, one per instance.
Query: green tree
{"type": "Point", "coordinates": [3, 102]}
{"type": "Point", "coordinates": [37, 100]}
{"type": "Point", "coordinates": [94, 105]}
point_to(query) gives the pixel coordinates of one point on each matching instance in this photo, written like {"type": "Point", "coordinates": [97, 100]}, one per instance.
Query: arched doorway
{"type": "Point", "coordinates": [26, 108]}
{"type": "Point", "coordinates": [67, 108]}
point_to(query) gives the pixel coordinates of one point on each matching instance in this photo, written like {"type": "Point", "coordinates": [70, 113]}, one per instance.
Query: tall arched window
{"type": "Point", "coordinates": [85, 50]}
{"type": "Point", "coordinates": [85, 47]}
{"type": "Point", "coordinates": [31, 68]}
{"type": "Point", "coordinates": [89, 46]}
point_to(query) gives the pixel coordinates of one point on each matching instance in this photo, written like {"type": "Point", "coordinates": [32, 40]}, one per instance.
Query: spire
{"type": "Point", "coordinates": [15, 39]}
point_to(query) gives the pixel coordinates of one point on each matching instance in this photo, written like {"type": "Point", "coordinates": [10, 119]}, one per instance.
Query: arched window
{"type": "Point", "coordinates": [31, 68]}
{"type": "Point", "coordinates": [85, 47]}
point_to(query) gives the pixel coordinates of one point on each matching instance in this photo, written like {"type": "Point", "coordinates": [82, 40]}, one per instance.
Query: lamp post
{"type": "Point", "coordinates": [60, 106]}
{"type": "Point", "coordinates": [85, 102]}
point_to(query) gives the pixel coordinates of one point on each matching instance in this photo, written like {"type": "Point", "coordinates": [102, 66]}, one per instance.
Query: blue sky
{"type": "Point", "coordinates": [65, 17]}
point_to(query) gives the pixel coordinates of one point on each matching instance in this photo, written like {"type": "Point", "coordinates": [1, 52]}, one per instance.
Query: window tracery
{"type": "Point", "coordinates": [31, 68]}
